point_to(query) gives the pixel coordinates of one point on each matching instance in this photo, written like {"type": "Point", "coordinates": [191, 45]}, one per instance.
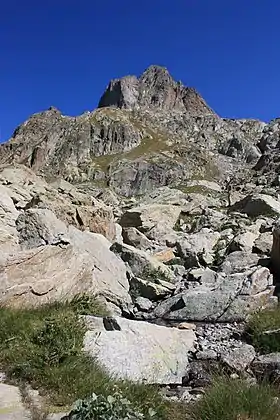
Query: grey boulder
{"type": "Point", "coordinates": [138, 350]}
{"type": "Point", "coordinates": [258, 205]}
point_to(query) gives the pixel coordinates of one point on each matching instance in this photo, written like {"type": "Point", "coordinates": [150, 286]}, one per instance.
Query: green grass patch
{"type": "Point", "coordinates": [229, 399]}
{"type": "Point", "coordinates": [264, 330]}
{"type": "Point", "coordinates": [147, 147]}
{"type": "Point", "coordinates": [43, 347]}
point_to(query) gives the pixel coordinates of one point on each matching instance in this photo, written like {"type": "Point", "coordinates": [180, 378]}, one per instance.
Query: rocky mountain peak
{"type": "Point", "coordinates": [156, 89]}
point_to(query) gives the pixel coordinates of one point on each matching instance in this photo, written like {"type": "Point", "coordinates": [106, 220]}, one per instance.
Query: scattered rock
{"type": "Point", "coordinates": [231, 299]}
{"type": "Point", "coordinates": [238, 358]}
{"type": "Point", "coordinates": [150, 290]}
{"type": "Point", "coordinates": [39, 227]}
{"type": "Point", "coordinates": [243, 242]}
{"type": "Point", "coordinates": [143, 304]}
{"type": "Point", "coordinates": [267, 367]}
{"type": "Point", "coordinates": [238, 262]}
{"type": "Point", "coordinates": [263, 244]}
{"type": "Point", "coordinates": [199, 375]}
{"type": "Point", "coordinates": [132, 236]}
{"type": "Point", "coordinates": [198, 247]}
{"type": "Point", "coordinates": [146, 217]}
{"type": "Point", "coordinates": [165, 255]}
{"type": "Point", "coordinates": [141, 263]}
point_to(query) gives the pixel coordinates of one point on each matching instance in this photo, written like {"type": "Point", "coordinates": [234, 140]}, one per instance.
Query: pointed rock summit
{"type": "Point", "coordinates": [155, 88]}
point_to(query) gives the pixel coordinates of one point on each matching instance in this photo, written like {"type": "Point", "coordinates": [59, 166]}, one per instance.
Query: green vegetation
{"type": "Point", "coordinates": [87, 305]}
{"type": "Point", "coordinates": [229, 399]}
{"type": "Point", "coordinates": [264, 330]}
{"type": "Point", "coordinates": [114, 406]}
{"type": "Point", "coordinates": [146, 147]}
{"type": "Point", "coordinates": [43, 347]}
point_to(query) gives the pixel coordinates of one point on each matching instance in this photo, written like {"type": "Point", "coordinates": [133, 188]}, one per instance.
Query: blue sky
{"type": "Point", "coordinates": [64, 52]}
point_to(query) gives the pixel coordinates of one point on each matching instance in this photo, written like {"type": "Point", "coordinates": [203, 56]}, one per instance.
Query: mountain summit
{"type": "Point", "coordinates": [155, 88]}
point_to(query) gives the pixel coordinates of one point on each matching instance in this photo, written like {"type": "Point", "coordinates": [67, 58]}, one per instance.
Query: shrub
{"type": "Point", "coordinates": [112, 407]}
{"type": "Point", "coordinates": [264, 330]}
{"type": "Point", "coordinates": [229, 399]}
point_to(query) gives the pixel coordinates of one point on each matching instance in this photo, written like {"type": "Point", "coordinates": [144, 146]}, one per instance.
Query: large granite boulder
{"type": "Point", "coordinates": [57, 262]}
{"type": "Point", "coordinates": [139, 351]}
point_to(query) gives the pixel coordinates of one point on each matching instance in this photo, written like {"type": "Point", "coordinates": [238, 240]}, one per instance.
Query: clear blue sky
{"type": "Point", "coordinates": [64, 52]}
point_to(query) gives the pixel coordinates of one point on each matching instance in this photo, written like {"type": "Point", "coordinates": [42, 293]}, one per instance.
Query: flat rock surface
{"type": "Point", "coordinates": [138, 350]}
{"type": "Point", "coordinates": [11, 406]}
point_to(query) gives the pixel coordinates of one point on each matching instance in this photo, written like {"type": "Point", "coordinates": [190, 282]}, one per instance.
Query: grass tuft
{"type": "Point", "coordinates": [264, 330]}
{"type": "Point", "coordinates": [229, 399]}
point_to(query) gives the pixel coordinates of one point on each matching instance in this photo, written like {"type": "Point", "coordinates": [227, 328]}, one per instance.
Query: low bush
{"type": "Point", "coordinates": [112, 407]}
{"type": "Point", "coordinates": [229, 399]}
{"type": "Point", "coordinates": [263, 330]}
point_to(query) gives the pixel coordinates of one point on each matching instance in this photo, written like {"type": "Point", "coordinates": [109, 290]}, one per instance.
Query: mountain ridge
{"type": "Point", "coordinates": [147, 131]}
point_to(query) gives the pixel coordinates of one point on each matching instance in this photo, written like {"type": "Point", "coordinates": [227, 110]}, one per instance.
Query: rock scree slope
{"type": "Point", "coordinates": [161, 209]}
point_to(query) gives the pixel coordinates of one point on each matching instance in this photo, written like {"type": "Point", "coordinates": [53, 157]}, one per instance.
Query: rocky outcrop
{"type": "Point", "coordinates": [22, 190]}
{"type": "Point", "coordinates": [45, 258]}
{"type": "Point", "coordinates": [59, 145]}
